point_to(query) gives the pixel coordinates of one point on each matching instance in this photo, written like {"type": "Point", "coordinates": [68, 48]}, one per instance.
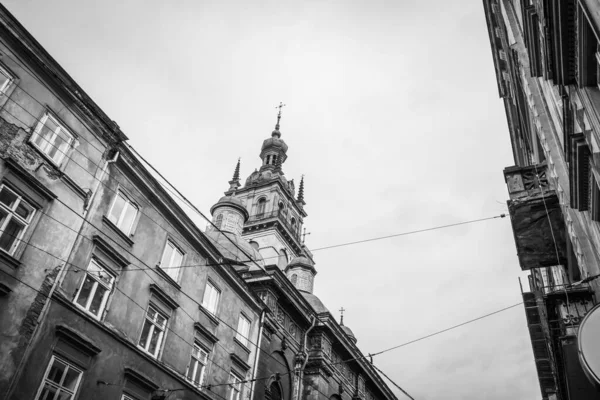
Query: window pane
{"type": "Point", "coordinates": [128, 217]}
{"type": "Point", "coordinates": [86, 290]}
{"type": "Point", "coordinates": [166, 258]}
{"type": "Point", "coordinates": [60, 146]}
{"type": "Point", "coordinates": [155, 341]}
{"type": "Point", "coordinates": [191, 369]}
{"type": "Point", "coordinates": [11, 233]}
{"type": "Point", "coordinates": [24, 210]}
{"type": "Point", "coordinates": [145, 332]}
{"type": "Point", "coordinates": [4, 79]}
{"type": "Point", "coordinates": [48, 392]}
{"type": "Point", "coordinates": [7, 197]}
{"type": "Point", "coordinates": [198, 375]}
{"type": "Point", "coordinates": [64, 396]}
{"type": "Point", "coordinates": [117, 208]}
{"type": "Point", "coordinates": [44, 136]}
{"type": "Point", "coordinates": [160, 320]}
{"type": "Point", "coordinates": [71, 378]}
{"type": "Point", "coordinates": [56, 371]}
{"type": "Point", "coordinates": [151, 313]}
{"type": "Point", "coordinates": [99, 273]}
{"type": "Point", "coordinates": [177, 259]}
{"type": "Point", "coordinates": [95, 306]}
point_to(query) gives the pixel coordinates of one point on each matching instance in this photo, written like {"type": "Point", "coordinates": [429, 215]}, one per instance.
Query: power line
{"type": "Point", "coordinates": [393, 383]}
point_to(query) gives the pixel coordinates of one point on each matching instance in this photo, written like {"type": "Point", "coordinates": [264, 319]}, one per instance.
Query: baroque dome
{"type": "Point", "coordinates": [300, 261]}
{"type": "Point", "coordinates": [274, 141]}
{"type": "Point", "coordinates": [233, 202]}
{"type": "Point", "coordinates": [349, 333]}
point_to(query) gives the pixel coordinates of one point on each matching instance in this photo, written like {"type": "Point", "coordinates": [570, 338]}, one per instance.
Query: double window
{"type": "Point", "coordinates": [51, 138]}
{"type": "Point", "coordinates": [95, 289]}
{"type": "Point", "coordinates": [172, 259]}
{"type": "Point", "coordinates": [153, 332]}
{"type": "Point", "coordinates": [123, 213]}
{"type": "Point", "coordinates": [197, 368]}
{"type": "Point", "coordinates": [15, 215]}
{"type": "Point", "coordinates": [61, 381]}
{"type": "Point", "coordinates": [243, 330]}
{"type": "Point", "coordinates": [235, 384]}
{"type": "Point", "coordinates": [211, 298]}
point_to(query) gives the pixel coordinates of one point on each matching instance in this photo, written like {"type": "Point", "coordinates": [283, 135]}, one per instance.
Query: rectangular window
{"type": "Point", "coordinates": [60, 381]}
{"type": "Point", "coordinates": [123, 213]}
{"type": "Point", "coordinates": [243, 330]}
{"type": "Point", "coordinates": [51, 138]}
{"type": "Point", "coordinates": [95, 289]}
{"type": "Point", "coordinates": [6, 79]}
{"type": "Point", "coordinates": [235, 383]}
{"type": "Point", "coordinates": [15, 215]}
{"type": "Point", "coordinates": [211, 298]}
{"type": "Point", "coordinates": [153, 331]}
{"type": "Point", "coordinates": [171, 261]}
{"type": "Point", "coordinates": [197, 368]}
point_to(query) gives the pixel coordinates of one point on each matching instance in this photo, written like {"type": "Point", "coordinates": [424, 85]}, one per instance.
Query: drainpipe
{"type": "Point", "coordinates": [58, 278]}
{"type": "Point", "coordinates": [258, 344]}
{"type": "Point", "coordinates": [305, 351]}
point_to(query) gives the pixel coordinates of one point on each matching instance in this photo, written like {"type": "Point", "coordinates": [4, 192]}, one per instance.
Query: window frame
{"type": "Point", "coordinates": [11, 79]}
{"type": "Point", "coordinates": [238, 334]}
{"type": "Point", "coordinates": [233, 394]}
{"type": "Point", "coordinates": [61, 389]}
{"type": "Point", "coordinates": [205, 305]}
{"type": "Point", "coordinates": [153, 326]}
{"type": "Point", "coordinates": [195, 362]}
{"type": "Point", "coordinates": [97, 283]}
{"type": "Point", "coordinates": [11, 213]}
{"type": "Point", "coordinates": [261, 202]}
{"type": "Point", "coordinates": [50, 142]}
{"type": "Point", "coordinates": [128, 202]}
{"type": "Point", "coordinates": [177, 269]}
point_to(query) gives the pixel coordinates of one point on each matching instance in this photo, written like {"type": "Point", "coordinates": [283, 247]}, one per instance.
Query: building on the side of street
{"type": "Point", "coordinates": [107, 288]}
{"type": "Point", "coordinates": [547, 62]}
{"type": "Point", "coordinates": [305, 353]}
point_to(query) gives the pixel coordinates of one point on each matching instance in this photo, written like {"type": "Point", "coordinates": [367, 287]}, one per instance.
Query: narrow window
{"type": "Point", "coordinates": [60, 381]}
{"type": "Point", "coordinates": [294, 279]}
{"type": "Point", "coordinates": [6, 79]}
{"type": "Point", "coordinates": [172, 260]}
{"type": "Point", "coordinates": [219, 221]}
{"type": "Point", "coordinates": [123, 213]}
{"type": "Point", "coordinates": [260, 207]}
{"type": "Point", "coordinates": [211, 298]}
{"type": "Point", "coordinates": [95, 289]}
{"type": "Point", "coordinates": [51, 138]}
{"type": "Point", "coordinates": [243, 330]}
{"type": "Point", "coordinates": [235, 384]}
{"type": "Point", "coordinates": [268, 160]}
{"type": "Point", "coordinates": [15, 216]}
{"type": "Point", "coordinates": [197, 368]}
{"type": "Point", "coordinates": [153, 331]}
{"type": "Point", "coordinates": [274, 160]}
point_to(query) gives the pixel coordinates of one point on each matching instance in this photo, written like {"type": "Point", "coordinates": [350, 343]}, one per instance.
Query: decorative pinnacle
{"type": "Point", "coordinates": [301, 190]}
{"type": "Point", "coordinates": [342, 316]}
{"type": "Point", "coordinates": [236, 173]}
{"type": "Point", "coordinates": [276, 131]}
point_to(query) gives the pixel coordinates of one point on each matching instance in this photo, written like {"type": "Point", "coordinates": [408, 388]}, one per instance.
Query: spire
{"type": "Point", "coordinates": [342, 316]}
{"type": "Point", "coordinates": [234, 183]}
{"type": "Point", "coordinates": [300, 199]}
{"type": "Point", "coordinates": [276, 131]}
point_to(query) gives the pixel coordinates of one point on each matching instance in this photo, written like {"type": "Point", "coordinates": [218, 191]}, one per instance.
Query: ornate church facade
{"type": "Point", "coordinates": [304, 352]}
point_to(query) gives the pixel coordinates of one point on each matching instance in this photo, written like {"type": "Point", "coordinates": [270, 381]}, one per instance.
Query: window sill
{"type": "Point", "coordinates": [8, 260]}
{"type": "Point", "coordinates": [118, 231]}
{"type": "Point", "coordinates": [167, 277]}
{"type": "Point", "coordinates": [210, 315]}
{"type": "Point", "coordinates": [241, 345]}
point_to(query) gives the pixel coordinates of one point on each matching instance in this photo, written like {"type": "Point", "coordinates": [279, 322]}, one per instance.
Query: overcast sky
{"type": "Point", "coordinates": [392, 114]}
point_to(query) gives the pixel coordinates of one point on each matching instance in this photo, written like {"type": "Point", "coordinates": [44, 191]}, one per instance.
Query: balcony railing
{"type": "Point", "coordinates": [280, 216]}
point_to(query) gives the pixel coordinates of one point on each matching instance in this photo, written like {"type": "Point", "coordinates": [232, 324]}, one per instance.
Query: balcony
{"type": "Point", "coordinates": [275, 216]}
{"type": "Point", "coordinates": [536, 217]}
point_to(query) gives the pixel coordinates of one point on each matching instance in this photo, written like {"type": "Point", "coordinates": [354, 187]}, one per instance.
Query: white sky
{"type": "Point", "coordinates": [393, 116]}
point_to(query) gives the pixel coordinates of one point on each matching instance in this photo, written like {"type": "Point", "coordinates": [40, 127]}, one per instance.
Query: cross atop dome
{"type": "Point", "coordinates": [276, 131]}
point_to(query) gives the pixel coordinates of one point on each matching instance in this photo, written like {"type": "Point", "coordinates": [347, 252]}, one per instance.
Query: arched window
{"type": "Point", "coordinates": [293, 222]}
{"type": "Point", "coordinates": [275, 390]}
{"type": "Point", "coordinates": [268, 160]}
{"type": "Point", "coordinates": [294, 279]}
{"type": "Point", "coordinates": [274, 160]}
{"type": "Point", "coordinates": [219, 221]}
{"type": "Point", "coordinates": [260, 207]}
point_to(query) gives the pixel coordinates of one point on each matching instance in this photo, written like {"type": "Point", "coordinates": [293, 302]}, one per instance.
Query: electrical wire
{"type": "Point", "coordinates": [393, 383]}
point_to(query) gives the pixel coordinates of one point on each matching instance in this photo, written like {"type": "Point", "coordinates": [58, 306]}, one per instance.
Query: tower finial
{"type": "Point", "coordinates": [276, 131]}
{"type": "Point", "coordinates": [234, 183]}
{"type": "Point", "coordinates": [342, 316]}
{"type": "Point", "coordinates": [301, 191]}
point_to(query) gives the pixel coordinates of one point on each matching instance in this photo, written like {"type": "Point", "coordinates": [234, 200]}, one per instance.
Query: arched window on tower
{"type": "Point", "coordinates": [294, 279]}
{"type": "Point", "coordinates": [276, 391]}
{"type": "Point", "coordinates": [219, 221]}
{"type": "Point", "coordinates": [268, 160]}
{"type": "Point", "coordinates": [274, 159]}
{"type": "Point", "coordinates": [260, 207]}
{"type": "Point", "coordinates": [293, 222]}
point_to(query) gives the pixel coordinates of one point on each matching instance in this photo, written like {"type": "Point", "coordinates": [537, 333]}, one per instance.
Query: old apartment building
{"type": "Point", "coordinates": [547, 60]}
{"type": "Point", "coordinates": [108, 290]}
